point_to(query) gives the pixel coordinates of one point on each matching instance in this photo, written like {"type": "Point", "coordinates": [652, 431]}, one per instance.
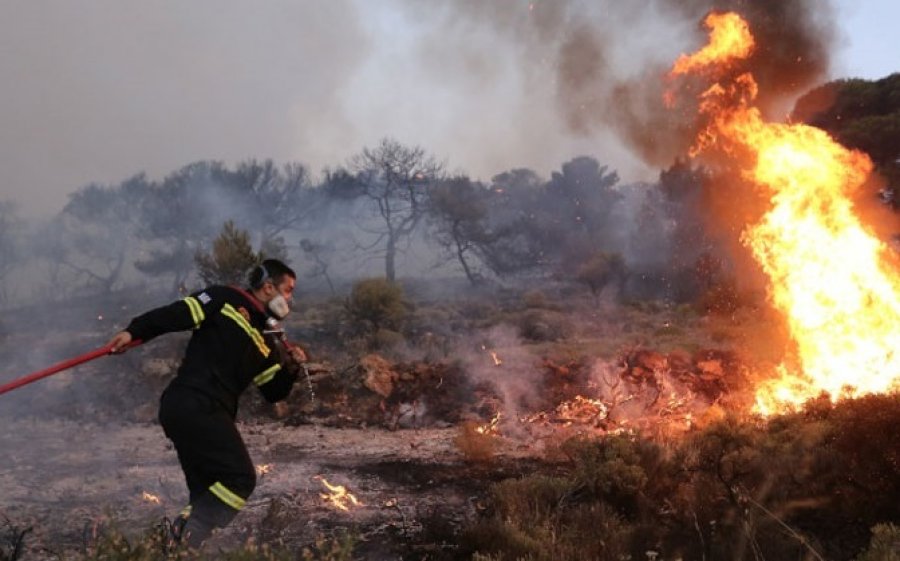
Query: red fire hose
{"type": "Point", "coordinates": [102, 351]}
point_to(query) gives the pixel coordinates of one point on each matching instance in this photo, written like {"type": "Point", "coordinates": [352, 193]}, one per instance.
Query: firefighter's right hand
{"type": "Point", "coordinates": [119, 342]}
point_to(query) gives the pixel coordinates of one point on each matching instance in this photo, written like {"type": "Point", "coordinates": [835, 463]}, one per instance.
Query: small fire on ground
{"type": "Point", "coordinates": [494, 356]}
{"type": "Point", "coordinates": [150, 498]}
{"type": "Point", "coordinates": [338, 496]}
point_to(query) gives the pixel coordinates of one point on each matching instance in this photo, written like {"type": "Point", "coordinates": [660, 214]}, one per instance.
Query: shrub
{"type": "Point", "coordinates": [885, 544]}
{"type": "Point", "coordinates": [385, 339]}
{"type": "Point", "coordinates": [534, 299]}
{"type": "Point", "coordinates": [113, 545]}
{"type": "Point", "coordinates": [230, 258]}
{"type": "Point", "coordinates": [476, 446]}
{"type": "Point", "coordinates": [607, 468]}
{"type": "Point", "coordinates": [543, 518]}
{"type": "Point", "coordinates": [544, 325]}
{"type": "Point", "coordinates": [377, 303]}
{"type": "Point", "coordinates": [12, 541]}
{"type": "Point", "coordinates": [600, 269]}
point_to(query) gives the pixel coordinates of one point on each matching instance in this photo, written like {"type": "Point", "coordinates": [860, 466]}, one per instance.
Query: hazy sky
{"type": "Point", "coordinates": [98, 90]}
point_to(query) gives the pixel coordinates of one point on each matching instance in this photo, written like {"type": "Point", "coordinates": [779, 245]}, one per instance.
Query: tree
{"type": "Point", "coordinates": [515, 204]}
{"type": "Point", "coordinates": [272, 201]}
{"type": "Point", "coordinates": [599, 269]}
{"type": "Point", "coordinates": [10, 250]}
{"type": "Point", "coordinates": [395, 179]}
{"type": "Point", "coordinates": [95, 230]}
{"type": "Point", "coordinates": [230, 258]}
{"type": "Point", "coordinates": [864, 115]}
{"type": "Point", "coordinates": [574, 213]}
{"type": "Point", "coordinates": [320, 254]}
{"type": "Point", "coordinates": [544, 227]}
{"type": "Point", "coordinates": [457, 209]}
{"type": "Point", "coordinates": [178, 217]}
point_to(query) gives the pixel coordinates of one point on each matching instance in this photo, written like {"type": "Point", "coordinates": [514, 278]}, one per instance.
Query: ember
{"type": "Point", "coordinates": [263, 469]}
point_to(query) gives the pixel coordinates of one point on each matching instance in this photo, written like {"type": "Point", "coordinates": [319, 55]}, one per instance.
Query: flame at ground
{"type": "Point", "coordinates": [150, 498]}
{"type": "Point", "coordinates": [491, 427]}
{"type": "Point", "coordinates": [338, 496]}
{"type": "Point", "coordinates": [828, 274]}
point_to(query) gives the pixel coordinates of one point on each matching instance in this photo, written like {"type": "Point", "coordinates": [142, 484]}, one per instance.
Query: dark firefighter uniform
{"type": "Point", "coordinates": [226, 353]}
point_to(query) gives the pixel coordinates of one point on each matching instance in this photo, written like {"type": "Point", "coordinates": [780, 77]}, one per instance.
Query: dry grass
{"type": "Point", "coordinates": [475, 445]}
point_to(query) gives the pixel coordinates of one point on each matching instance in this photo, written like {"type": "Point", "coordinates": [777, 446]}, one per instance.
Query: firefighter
{"type": "Point", "coordinates": [226, 353]}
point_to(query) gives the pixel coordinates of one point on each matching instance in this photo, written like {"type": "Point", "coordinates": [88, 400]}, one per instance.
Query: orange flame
{"type": "Point", "coordinates": [828, 274]}
{"type": "Point", "coordinates": [491, 427]}
{"type": "Point", "coordinates": [729, 39]}
{"type": "Point", "coordinates": [150, 498]}
{"type": "Point", "coordinates": [338, 496]}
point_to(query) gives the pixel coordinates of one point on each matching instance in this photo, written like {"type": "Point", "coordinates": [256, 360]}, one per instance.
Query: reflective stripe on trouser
{"type": "Point", "coordinates": [227, 496]}
{"type": "Point", "coordinates": [210, 448]}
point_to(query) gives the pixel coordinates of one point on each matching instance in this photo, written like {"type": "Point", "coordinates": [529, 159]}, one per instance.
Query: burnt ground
{"type": "Point", "coordinates": [65, 479]}
{"type": "Point", "coordinates": [81, 449]}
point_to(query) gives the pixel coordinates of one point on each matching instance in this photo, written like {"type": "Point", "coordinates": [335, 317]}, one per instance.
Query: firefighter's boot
{"type": "Point", "coordinates": [207, 513]}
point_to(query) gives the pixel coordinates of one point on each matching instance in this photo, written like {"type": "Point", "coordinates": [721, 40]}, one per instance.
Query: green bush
{"type": "Point", "coordinates": [606, 467]}
{"type": "Point", "coordinates": [229, 259]}
{"type": "Point", "coordinates": [375, 303]}
{"type": "Point", "coordinates": [809, 485]}
{"type": "Point", "coordinates": [543, 518]}
{"type": "Point", "coordinates": [544, 325]}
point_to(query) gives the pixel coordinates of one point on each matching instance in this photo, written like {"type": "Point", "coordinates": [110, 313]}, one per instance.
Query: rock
{"type": "Point", "coordinates": [378, 374]}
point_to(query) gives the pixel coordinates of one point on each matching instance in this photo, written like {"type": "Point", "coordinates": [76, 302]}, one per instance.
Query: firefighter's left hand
{"type": "Point", "coordinates": [119, 342]}
{"type": "Point", "coordinates": [298, 355]}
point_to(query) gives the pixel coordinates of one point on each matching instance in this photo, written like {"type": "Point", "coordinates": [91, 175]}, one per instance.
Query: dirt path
{"type": "Point", "coordinates": [61, 478]}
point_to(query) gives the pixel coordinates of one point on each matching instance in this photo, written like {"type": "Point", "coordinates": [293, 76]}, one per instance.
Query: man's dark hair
{"type": "Point", "coordinates": [270, 270]}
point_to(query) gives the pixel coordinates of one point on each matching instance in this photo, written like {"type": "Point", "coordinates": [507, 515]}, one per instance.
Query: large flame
{"type": "Point", "coordinates": [835, 282]}
{"type": "Point", "coordinates": [729, 39]}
